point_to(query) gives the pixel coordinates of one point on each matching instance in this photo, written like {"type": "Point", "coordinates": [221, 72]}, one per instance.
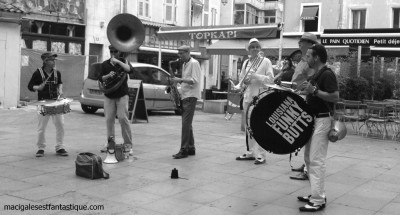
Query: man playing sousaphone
{"type": "Point", "coordinates": [256, 72]}
{"type": "Point", "coordinates": [116, 102]}
{"type": "Point", "coordinates": [47, 82]}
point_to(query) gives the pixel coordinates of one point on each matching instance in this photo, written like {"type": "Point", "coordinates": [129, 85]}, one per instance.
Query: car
{"type": "Point", "coordinates": [154, 79]}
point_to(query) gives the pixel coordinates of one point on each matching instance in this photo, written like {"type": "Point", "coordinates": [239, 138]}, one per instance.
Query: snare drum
{"type": "Point", "coordinates": [280, 121]}
{"type": "Point", "coordinates": [54, 107]}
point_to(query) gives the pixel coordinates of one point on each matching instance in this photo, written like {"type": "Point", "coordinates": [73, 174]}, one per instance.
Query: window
{"type": "Point", "coordinates": [396, 17]}
{"type": "Point", "coordinates": [310, 18]}
{"type": "Point", "coordinates": [206, 8]}
{"type": "Point", "coordinates": [144, 8]}
{"type": "Point", "coordinates": [269, 16]}
{"type": "Point", "coordinates": [251, 15]}
{"type": "Point", "coordinates": [170, 12]}
{"type": "Point", "coordinates": [239, 14]}
{"type": "Point", "coordinates": [213, 16]}
{"type": "Point", "coordinates": [358, 19]}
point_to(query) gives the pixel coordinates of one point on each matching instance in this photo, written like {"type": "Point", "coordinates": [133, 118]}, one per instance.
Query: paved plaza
{"type": "Point", "coordinates": [363, 174]}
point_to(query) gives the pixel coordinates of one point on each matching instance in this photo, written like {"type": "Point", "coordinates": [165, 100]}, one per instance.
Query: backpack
{"type": "Point", "coordinates": [89, 165]}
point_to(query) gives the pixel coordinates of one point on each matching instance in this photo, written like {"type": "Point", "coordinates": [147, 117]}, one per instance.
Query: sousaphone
{"type": "Point", "coordinates": [126, 33]}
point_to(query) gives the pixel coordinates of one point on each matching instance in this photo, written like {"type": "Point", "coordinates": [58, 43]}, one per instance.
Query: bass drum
{"type": "Point", "coordinates": [280, 121]}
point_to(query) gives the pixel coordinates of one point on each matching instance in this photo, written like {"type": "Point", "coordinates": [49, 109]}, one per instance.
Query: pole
{"type": "Point", "coordinates": [359, 61]}
{"type": "Point", "coordinates": [159, 53]}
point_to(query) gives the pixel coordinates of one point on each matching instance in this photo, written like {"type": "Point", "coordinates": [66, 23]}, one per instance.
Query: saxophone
{"type": "Point", "coordinates": [172, 89]}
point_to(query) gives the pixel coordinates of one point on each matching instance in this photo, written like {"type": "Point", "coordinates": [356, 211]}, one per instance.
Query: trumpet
{"type": "Point", "coordinates": [253, 68]}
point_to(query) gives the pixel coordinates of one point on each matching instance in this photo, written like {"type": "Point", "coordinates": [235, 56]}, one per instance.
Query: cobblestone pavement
{"type": "Point", "coordinates": [363, 174]}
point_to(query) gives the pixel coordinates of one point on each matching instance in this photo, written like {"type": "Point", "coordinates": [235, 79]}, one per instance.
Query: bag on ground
{"type": "Point", "coordinates": [89, 165]}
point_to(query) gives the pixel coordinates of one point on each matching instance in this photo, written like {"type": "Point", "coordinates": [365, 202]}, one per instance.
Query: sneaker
{"type": "Point", "coordinates": [40, 153]}
{"type": "Point", "coordinates": [62, 152]}
{"type": "Point", "coordinates": [301, 176]}
{"type": "Point", "coordinates": [128, 149]}
{"type": "Point", "coordinates": [245, 157]}
{"type": "Point", "coordinates": [311, 207]}
{"type": "Point", "coordinates": [259, 161]}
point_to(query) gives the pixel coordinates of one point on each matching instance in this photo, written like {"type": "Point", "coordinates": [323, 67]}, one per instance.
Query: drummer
{"type": "Point", "coordinates": [46, 81]}
{"type": "Point", "coordinates": [253, 83]}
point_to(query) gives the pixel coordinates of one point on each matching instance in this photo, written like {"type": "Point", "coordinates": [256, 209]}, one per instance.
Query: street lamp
{"type": "Point", "coordinates": [224, 2]}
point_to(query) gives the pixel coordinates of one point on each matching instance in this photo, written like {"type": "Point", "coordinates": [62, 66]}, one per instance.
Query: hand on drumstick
{"type": "Point", "coordinates": [306, 88]}
{"type": "Point", "coordinates": [41, 86]}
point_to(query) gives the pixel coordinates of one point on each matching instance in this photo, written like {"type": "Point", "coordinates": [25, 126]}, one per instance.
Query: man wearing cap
{"type": "Point", "coordinates": [303, 71]}
{"type": "Point", "coordinates": [254, 82]}
{"type": "Point", "coordinates": [301, 74]}
{"type": "Point", "coordinates": [116, 102]}
{"type": "Point", "coordinates": [190, 92]}
{"type": "Point", "coordinates": [47, 82]}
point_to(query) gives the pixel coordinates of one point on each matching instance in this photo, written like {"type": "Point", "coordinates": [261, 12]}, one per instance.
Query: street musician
{"type": "Point", "coordinates": [255, 74]}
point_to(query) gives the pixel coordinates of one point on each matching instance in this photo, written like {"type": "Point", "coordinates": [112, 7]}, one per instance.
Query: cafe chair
{"type": "Point", "coordinates": [354, 113]}
{"type": "Point", "coordinates": [378, 119]}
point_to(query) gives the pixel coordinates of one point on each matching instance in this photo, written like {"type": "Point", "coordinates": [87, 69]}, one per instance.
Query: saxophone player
{"type": "Point", "coordinates": [190, 92]}
{"type": "Point", "coordinates": [256, 72]}
{"type": "Point", "coordinates": [116, 102]}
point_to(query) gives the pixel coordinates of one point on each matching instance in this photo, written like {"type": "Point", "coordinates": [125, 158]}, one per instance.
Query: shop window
{"type": "Point", "coordinates": [396, 17]}
{"type": "Point", "coordinates": [358, 19]}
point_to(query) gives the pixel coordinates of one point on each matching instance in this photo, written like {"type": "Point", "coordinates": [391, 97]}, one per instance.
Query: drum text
{"type": "Point", "coordinates": [289, 120]}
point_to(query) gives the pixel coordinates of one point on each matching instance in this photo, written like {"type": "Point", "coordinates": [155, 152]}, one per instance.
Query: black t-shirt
{"type": "Point", "coordinates": [107, 67]}
{"type": "Point", "coordinates": [50, 89]}
{"type": "Point", "coordinates": [326, 81]}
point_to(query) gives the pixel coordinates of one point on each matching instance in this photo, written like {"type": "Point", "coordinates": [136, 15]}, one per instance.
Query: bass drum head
{"type": "Point", "coordinates": [281, 122]}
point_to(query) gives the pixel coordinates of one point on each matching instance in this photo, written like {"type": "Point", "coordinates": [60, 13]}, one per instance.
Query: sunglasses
{"type": "Point", "coordinates": [182, 52]}
{"type": "Point", "coordinates": [113, 52]}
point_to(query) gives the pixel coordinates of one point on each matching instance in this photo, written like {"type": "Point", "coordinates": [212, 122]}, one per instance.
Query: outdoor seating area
{"type": "Point", "coordinates": [371, 118]}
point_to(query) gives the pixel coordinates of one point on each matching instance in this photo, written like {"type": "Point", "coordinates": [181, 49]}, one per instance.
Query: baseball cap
{"type": "Point", "coordinates": [48, 56]}
{"type": "Point", "coordinates": [252, 40]}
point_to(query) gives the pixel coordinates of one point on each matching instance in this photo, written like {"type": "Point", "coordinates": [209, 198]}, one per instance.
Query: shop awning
{"type": "Point", "coordinates": [309, 13]}
{"type": "Point", "coordinates": [218, 32]}
{"type": "Point", "coordinates": [387, 37]}
{"type": "Point", "coordinates": [385, 51]}
{"type": "Point", "coordinates": [269, 46]}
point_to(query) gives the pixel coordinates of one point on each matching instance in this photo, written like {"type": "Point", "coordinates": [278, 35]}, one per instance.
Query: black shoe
{"type": "Point", "coordinates": [62, 152]}
{"type": "Point", "coordinates": [305, 198]}
{"type": "Point", "coordinates": [245, 157]}
{"type": "Point", "coordinates": [310, 207]}
{"type": "Point", "coordinates": [180, 155]}
{"type": "Point", "coordinates": [300, 169]}
{"type": "Point", "coordinates": [301, 176]}
{"type": "Point", "coordinates": [40, 153]}
{"type": "Point", "coordinates": [192, 152]}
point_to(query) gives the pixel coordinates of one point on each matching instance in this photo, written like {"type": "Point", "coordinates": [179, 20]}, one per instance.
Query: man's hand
{"type": "Point", "coordinates": [307, 87]}
{"type": "Point", "coordinates": [41, 86]}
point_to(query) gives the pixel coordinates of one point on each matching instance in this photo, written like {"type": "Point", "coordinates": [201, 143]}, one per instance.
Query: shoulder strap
{"type": "Point", "coordinates": [42, 73]}
{"type": "Point", "coordinates": [100, 164]}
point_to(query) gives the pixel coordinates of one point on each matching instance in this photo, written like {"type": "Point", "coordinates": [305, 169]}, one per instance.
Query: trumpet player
{"type": "Point", "coordinates": [255, 74]}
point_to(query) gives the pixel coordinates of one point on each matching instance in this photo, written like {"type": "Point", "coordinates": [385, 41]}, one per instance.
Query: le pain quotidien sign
{"type": "Point", "coordinates": [361, 41]}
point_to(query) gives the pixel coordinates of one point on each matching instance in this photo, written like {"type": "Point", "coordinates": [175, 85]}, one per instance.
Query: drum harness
{"type": "Point", "coordinates": [46, 79]}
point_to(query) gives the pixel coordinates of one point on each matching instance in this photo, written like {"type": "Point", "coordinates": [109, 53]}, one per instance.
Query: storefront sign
{"type": "Point", "coordinates": [363, 41]}
{"type": "Point", "coordinates": [217, 32]}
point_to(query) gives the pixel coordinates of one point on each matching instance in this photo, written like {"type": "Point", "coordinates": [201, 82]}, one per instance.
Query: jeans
{"type": "Point", "coordinates": [315, 153]}
{"type": "Point", "coordinates": [253, 150]}
{"type": "Point", "coordinates": [118, 107]}
{"type": "Point", "coordinates": [58, 121]}
{"type": "Point", "coordinates": [187, 140]}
